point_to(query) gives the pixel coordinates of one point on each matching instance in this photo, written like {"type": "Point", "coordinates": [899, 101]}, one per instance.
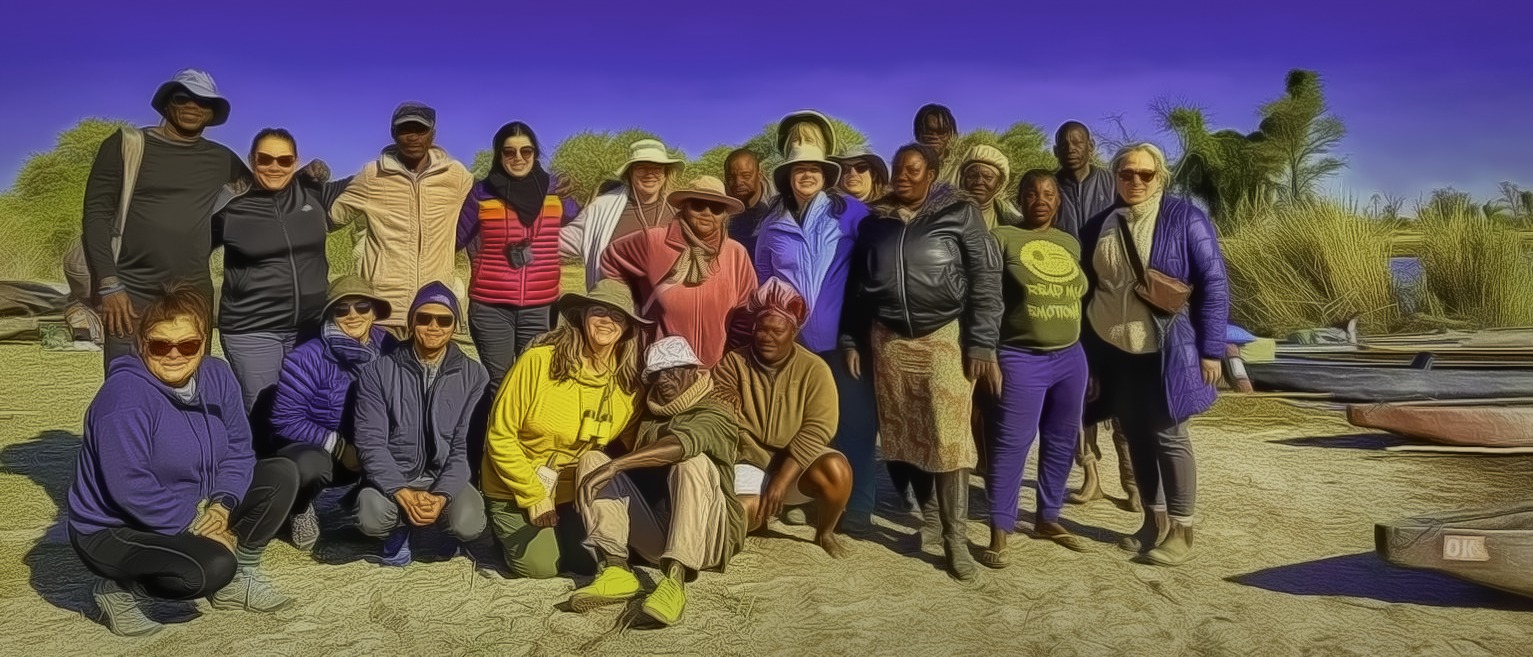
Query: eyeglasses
{"type": "Point", "coordinates": [342, 309]}
{"type": "Point", "coordinates": [1128, 175]}
{"type": "Point", "coordinates": [181, 98]}
{"type": "Point", "coordinates": [859, 167]}
{"type": "Point", "coordinates": [709, 206]}
{"type": "Point", "coordinates": [266, 160]}
{"type": "Point", "coordinates": [526, 153]}
{"type": "Point", "coordinates": [162, 348]}
{"type": "Point", "coordinates": [442, 321]}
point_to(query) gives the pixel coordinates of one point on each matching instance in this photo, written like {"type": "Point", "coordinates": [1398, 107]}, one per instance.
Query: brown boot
{"type": "Point", "coordinates": [1091, 485]}
{"type": "Point", "coordinates": [1176, 548]}
{"type": "Point", "coordinates": [1157, 525]}
{"type": "Point", "coordinates": [953, 504]}
{"type": "Point", "coordinates": [1126, 470]}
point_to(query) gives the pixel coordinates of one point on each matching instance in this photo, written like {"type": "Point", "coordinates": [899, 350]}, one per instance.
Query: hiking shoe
{"type": "Point", "coordinates": [121, 610]}
{"type": "Point", "coordinates": [251, 591]}
{"type": "Point", "coordinates": [795, 516]}
{"type": "Point", "coordinates": [612, 586]}
{"type": "Point", "coordinates": [396, 550]}
{"type": "Point", "coordinates": [305, 529]}
{"type": "Point", "coordinates": [666, 603]}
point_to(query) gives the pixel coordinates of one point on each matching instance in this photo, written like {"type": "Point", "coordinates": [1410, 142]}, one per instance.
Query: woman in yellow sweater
{"type": "Point", "coordinates": [571, 392]}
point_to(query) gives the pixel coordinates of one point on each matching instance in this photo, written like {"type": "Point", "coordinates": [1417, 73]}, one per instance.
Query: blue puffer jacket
{"type": "Point", "coordinates": [406, 431]}
{"type": "Point", "coordinates": [314, 390]}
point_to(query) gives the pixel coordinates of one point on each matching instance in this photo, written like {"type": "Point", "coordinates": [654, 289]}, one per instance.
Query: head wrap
{"type": "Point", "coordinates": [777, 296]}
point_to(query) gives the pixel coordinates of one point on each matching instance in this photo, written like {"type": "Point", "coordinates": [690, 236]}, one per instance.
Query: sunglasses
{"type": "Point", "coordinates": [180, 98]}
{"type": "Point", "coordinates": [613, 315]}
{"type": "Point", "coordinates": [526, 153]}
{"type": "Point", "coordinates": [265, 160]}
{"type": "Point", "coordinates": [1128, 175]}
{"type": "Point", "coordinates": [442, 321]}
{"type": "Point", "coordinates": [858, 167]}
{"type": "Point", "coordinates": [342, 309]}
{"type": "Point", "coordinates": [162, 348]}
{"type": "Point", "coordinates": [709, 206]}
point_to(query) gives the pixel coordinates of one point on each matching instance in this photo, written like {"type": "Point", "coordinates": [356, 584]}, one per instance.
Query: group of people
{"type": "Point", "coordinates": [660, 370]}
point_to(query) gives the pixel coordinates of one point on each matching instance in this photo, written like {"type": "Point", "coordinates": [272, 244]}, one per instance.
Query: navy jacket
{"type": "Point", "coordinates": [405, 431]}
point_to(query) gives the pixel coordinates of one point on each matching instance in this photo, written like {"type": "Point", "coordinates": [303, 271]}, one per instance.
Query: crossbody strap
{"type": "Point", "coordinates": [132, 158]}
{"type": "Point", "coordinates": [1131, 250]}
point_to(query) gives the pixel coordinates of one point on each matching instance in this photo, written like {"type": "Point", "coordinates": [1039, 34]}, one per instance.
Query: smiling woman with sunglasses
{"type": "Point", "coordinates": [168, 499]}
{"type": "Point", "coordinates": [510, 225]}
{"type": "Point", "coordinates": [689, 277]}
{"type": "Point", "coordinates": [275, 274]}
{"type": "Point", "coordinates": [1157, 305]}
{"type": "Point", "coordinates": [310, 418]}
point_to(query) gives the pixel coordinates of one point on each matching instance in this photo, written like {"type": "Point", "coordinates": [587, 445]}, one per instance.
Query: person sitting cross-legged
{"type": "Point", "coordinates": [787, 409]}
{"type": "Point", "coordinates": [413, 414]}
{"type": "Point", "coordinates": [693, 521]}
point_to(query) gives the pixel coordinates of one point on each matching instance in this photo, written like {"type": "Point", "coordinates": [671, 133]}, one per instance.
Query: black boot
{"type": "Point", "coordinates": [953, 504]}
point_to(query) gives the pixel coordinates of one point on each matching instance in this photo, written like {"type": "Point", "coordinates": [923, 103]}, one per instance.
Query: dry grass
{"type": "Point", "coordinates": [1476, 270]}
{"type": "Point", "coordinates": [1308, 265]}
{"type": "Point", "coordinates": [1284, 567]}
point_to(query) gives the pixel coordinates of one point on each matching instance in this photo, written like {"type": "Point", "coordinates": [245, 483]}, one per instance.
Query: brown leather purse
{"type": "Point", "coordinates": [1160, 292]}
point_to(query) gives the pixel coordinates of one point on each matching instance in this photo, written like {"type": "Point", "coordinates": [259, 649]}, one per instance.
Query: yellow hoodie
{"type": "Point", "coordinates": [535, 417]}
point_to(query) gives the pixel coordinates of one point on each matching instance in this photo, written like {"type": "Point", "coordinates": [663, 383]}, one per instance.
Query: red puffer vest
{"type": "Point", "coordinates": [495, 278]}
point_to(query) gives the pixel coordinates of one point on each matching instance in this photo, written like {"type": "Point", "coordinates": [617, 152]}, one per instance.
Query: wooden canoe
{"type": "Point", "coordinates": [1370, 383]}
{"type": "Point", "coordinates": [1492, 547]}
{"type": "Point", "coordinates": [1473, 423]}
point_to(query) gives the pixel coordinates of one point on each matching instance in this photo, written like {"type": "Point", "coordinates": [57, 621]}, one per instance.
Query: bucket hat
{"type": "Point", "coordinates": [650, 151]}
{"type": "Point", "coordinates": [197, 83]}
{"type": "Point", "coordinates": [705, 188]}
{"type": "Point", "coordinates": [608, 292]}
{"type": "Point", "coordinates": [802, 154]}
{"type": "Point", "coordinates": [811, 116]}
{"type": "Point", "coordinates": [355, 286]}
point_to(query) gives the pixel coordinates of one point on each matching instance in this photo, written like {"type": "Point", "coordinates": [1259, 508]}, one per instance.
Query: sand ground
{"type": "Point", "coordinates": [1285, 565]}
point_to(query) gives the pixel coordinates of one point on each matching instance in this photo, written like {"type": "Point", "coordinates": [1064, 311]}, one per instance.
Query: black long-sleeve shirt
{"type": "Point", "coordinates": [168, 234]}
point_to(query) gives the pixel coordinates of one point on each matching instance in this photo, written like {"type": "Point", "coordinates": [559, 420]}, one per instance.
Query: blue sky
{"type": "Point", "coordinates": [1433, 96]}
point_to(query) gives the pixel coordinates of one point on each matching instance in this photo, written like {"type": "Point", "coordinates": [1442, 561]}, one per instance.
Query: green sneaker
{"type": "Point", "coordinates": [666, 603]}
{"type": "Point", "coordinates": [612, 586]}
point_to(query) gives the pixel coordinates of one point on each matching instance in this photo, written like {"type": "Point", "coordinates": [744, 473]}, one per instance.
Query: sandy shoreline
{"type": "Point", "coordinates": [1285, 565]}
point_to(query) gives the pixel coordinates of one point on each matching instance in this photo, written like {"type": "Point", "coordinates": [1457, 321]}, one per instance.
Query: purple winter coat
{"type": "Point", "coordinates": [315, 386]}
{"type": "Point", "coordinates": [1186, 247]}
{"type": "Point", "coordinates": [148, 458]}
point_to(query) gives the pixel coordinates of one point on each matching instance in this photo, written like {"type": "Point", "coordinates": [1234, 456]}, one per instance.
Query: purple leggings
{"type": "Point", "coordinates": [1042, 394]}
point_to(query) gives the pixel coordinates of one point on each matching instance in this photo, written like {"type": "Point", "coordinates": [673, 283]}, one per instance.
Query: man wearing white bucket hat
{"type": "Point", "coordinates": [133, 244]}
{"type": "Point", "coordinates": [635, 204]}
{"type": "Point", "coordinates": [693, 434]}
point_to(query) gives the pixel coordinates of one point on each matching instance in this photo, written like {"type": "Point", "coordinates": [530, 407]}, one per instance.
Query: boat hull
{"type": "Point", "coordinates": [1491, 547]}
{"type": "Point", "coordinates": [1377, 383]}
{"type": "Point", "coordinates": [1473, 425]}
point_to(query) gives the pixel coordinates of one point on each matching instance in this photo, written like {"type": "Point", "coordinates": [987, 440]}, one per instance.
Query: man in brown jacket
{"type": "Point", "coordinates": [407, 202]}
{"type": "Point", "coordinates": [787, 409]}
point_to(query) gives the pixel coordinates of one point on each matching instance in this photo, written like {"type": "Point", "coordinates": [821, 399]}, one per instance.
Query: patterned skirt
{"type": "Point", "coordinates": [924, 400]}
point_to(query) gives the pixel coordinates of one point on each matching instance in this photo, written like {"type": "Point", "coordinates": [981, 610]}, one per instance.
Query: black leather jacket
{"type": "Point", "coordinates": [918, 276]}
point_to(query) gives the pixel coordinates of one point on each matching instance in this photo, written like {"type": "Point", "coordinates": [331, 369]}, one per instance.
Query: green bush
{"type": "Point", "coordinates": [1476, 270]}
{"type": "Point", "coordinates": [40, 214]}
{"type": "Point", "coordinates": [1308, 264]}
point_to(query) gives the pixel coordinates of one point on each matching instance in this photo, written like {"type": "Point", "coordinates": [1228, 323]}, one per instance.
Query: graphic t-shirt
{"type": "Point", "coordinates": [1041, 286]}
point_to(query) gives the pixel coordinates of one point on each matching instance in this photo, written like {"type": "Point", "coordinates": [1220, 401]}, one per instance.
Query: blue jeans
{"type": "Point", "coordinates": [857, 434]}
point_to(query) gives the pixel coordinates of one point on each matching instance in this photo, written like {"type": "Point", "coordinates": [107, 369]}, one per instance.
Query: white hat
{"type": "Point", "coordinates": [805, 154]}
{"type": "Point", "coordinates": [651, 151]}
{"type": "Point", "coordinates": [667, 353]}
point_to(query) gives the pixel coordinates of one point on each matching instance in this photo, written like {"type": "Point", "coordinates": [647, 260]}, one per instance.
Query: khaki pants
{"type": "Point", "coordinates": [1090, 451]}
{"type": "Point", "coordinates": [692, 531]}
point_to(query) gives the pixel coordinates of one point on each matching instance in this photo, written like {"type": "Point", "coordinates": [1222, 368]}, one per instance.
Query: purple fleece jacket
{"type": "Point", "coordinates": [148, 459]}
{"type": "Point", "coordinates": [317, 383]}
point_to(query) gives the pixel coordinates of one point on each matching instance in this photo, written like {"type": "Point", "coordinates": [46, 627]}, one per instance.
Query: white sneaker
{"type": "Point", "coordinates": [305, 529]}
{"type": "Point", "coordinates": [121, 610]}
{"type": "Point", "coordinates": [251, 591]}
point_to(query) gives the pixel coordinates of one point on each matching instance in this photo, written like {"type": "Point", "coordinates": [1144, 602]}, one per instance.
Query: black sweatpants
{"type": "Point", "coordinates": [317, 470]}
{"type": "Point", "coordinates": [184, 566]}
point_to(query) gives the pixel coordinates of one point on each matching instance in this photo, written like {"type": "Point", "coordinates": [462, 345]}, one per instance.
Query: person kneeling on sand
{"type": "Point", "coordinates": [785, 401]}
{"type": "Point", "coordinates": [694, 522]}
{"type": "Point", "coordinates": [414, 411]}
{"type": "Point", "coordinates": [168, 499]}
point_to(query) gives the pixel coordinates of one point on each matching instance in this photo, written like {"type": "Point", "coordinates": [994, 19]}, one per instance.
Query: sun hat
{"type": "Point", "coordinates": [811, 116]}
{"type": "Point", "coordinates": [607, 292]}
{"type": "Point", "coordinates": [414, 112]}
{"type": "Point", "coordinates": [669, 352]}
{"type": "Point", "coordinates": [862, 154]}
{"type": "Point", "coordinates": [705, 188]}
{"type": "Point", "coordinates": [352, 285]}
{"type": "Point", "coordinates": [197, 83]}
{"type": "Point", "coordinates": [650, 151]}
{"type": "Point", "coordinates": [802, 154]}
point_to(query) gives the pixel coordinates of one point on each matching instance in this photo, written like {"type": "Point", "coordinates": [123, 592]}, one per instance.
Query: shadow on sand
{"type": "Point", "coordinates": [1365, 575]}
{"type": "Point", "coordinates": [1365, 441]}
